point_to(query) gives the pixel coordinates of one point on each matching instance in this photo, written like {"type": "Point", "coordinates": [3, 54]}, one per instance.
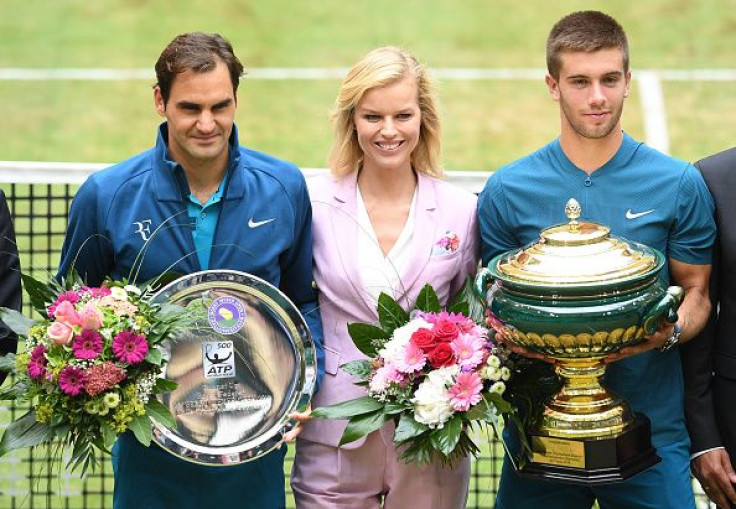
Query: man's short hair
{"type": "Point", "coordinates": [197, 52]}
{"type": "Point", "coordinates": [586, 31]}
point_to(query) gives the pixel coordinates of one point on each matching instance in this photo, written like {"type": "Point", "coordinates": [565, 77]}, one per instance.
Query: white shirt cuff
{"type": "Point", "coordinates": [700, 453]}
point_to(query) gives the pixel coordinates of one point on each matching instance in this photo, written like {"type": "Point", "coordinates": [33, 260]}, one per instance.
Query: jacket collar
{"type": "Point", "coordinates": [170, 183]}
{"type": "Point", "coordinates": [425, 226]}
{"type": "Point", "coordinates": [345, 224]}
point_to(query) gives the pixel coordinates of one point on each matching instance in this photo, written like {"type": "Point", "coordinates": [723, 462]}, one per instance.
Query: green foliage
{"type": "Point", "coordinates": [157, 411]}
{"type": "Point", "coordinates": [360, 369]}
{"type": "Point", "coordinates": [445, 439]}
{"type": "Point", "coordinates": [427, 300]}
{"type": "Point", "coordinates": [468, 302]}
{"type": "Point", "coordinates": [164, 385]}
{"type": "Point", "coordinates": [347, 409]}
{"type": "Point", "coordinates": [390, 314]}
{"type": "Point", "coordinates": [154, 356]}
{"type": "Point", "coordinates": [16, 391]}
{"type": "Point", "coordinates": [361, 425]}
{"type": "Point", "coordinates": [365, 336]}
{"type": "Point", "coordinates": [83, 456]}
{"type": "Point", "coordinates": [408, 428]}
{"type": "Point", "coordinates": [25, 432]}
{"type": "Point", "coordinates": [7, 362]}
{"type": "Point", "coordinates": [108, 437]}
{"type": "Point", "coordinates": [42, 294]}
{"type": "Point", "coordinates": [16, 321]}
{"type": "Point", "coordinates": [533, 383]}
{"type": "Point", "coordinates": [141, 427]}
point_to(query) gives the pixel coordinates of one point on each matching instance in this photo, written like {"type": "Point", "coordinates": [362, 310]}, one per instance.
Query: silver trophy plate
{"type": "Point", "coordinates": [244, 365]}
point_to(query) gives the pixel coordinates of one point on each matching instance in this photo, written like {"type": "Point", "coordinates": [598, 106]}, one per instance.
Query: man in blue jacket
{"type": "Point", "coordinates": [196, 201]}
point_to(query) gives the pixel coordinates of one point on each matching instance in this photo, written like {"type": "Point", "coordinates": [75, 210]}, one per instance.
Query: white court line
{"type": "Point", "coordinates": [655, 116]}
{"type": "Point", "coordinates": [326, 73]}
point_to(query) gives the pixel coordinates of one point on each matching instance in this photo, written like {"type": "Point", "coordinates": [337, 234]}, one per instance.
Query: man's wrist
{"type": "Point", "coordinates": [700, 453]}
{"type": "Point", "coordinates": [672, 341]}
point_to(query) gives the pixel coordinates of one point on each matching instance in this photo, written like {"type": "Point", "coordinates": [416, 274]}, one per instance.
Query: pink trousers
{"type": "Point", "coordinates": [327, 477]}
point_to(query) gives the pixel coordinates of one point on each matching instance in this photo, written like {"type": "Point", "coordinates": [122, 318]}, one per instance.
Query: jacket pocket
{"type": "Point", "coordinates": [332, 361]}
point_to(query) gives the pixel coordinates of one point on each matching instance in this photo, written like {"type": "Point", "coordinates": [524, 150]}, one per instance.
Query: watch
{"type": "Point", "coordinates": [673, 340]}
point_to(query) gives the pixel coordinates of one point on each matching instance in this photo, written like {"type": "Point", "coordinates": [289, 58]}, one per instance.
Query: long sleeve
{"type": "Point", "coordinates": [10, 287]}
{"type": "Point", "coordinates": [296, 276]}
{"type": "Point", "coordinates": [85, 248]}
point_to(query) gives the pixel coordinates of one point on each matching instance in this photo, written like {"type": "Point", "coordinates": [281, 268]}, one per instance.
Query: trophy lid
{"type": "Point", "coordinates": [578, 254]}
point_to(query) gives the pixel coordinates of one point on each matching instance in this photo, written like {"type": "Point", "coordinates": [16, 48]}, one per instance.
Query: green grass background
{"type": "Point", "coordinates": [486, 123]}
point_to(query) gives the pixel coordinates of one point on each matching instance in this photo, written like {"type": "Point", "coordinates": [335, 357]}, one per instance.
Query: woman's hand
{"type": "Point", "coordinates": [299, 417]}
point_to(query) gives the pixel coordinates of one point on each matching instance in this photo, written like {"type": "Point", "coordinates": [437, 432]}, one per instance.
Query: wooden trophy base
{"type": "Point", "coordinates": [592, 461]}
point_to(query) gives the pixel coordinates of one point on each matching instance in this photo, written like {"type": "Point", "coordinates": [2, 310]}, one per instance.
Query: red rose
{"type": "Point", "coordinates": [445, 331]}
{"type": "Point", "coordinates": [441, 356]}
{"type": "Point", "coordinates": [424, 340]}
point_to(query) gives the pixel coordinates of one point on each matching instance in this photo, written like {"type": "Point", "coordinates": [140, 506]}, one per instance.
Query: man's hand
{"type": "Point", "coordinates": [523, 351]}
{"type": "Point", "coordinates": [715, 473]}
{"type": "Point", "coordinates": [656, 340]}
{"type": "Point", "coordinates": [527, 353]}
{"type": "Point", "coordinates": [693, 311]}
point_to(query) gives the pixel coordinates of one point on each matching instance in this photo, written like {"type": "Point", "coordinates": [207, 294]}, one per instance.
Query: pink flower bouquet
{"type": "Point", "coordinates": [89, 369]}
{"type": "Point", "coordinates": [435, 373]}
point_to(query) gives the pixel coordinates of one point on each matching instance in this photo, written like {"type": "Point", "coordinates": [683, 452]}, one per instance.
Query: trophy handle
{"type": "Point", "coordinates": [482, 279]}
{"type": "Point", "coordinates": [666, 308]}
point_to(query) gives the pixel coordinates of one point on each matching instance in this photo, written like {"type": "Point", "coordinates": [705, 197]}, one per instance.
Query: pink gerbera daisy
{"type": "Point", "coordinates": [383, 377]}
{"type": "Point", "coordinates": [466, 391]}
{"type": "Point", "coordinates": [413, 359]}
{"type": "Point", "coordinates": [130, 347]}
{"type": "Point", "coordinates": [87, 345]}
{"type": "Point", "coordinates": [71, 380]}
{"type": "Point", "coordinates": [37, 364]}
{"type": "Point", "coordinates": [468, 349]}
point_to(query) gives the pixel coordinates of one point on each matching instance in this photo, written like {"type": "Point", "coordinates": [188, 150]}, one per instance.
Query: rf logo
{"type": "Point", "coordinates": [144, 229]}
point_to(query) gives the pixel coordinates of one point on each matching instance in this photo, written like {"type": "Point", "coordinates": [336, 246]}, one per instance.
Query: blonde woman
{"type": "Point", "coordinates": [381, 222]}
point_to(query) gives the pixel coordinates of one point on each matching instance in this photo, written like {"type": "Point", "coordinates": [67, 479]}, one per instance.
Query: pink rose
{"type": "Point", "coordinates": [65, 312]}
{"type": "Point", "coordinates": [90, 317]}
{"type": "Point", "coordinates": [445, 331]}
{"type": "Point", "coordinates": [60, 333]}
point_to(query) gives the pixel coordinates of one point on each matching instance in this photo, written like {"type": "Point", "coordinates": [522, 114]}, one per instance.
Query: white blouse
{"type": "Point", "coordinates": [381, 273]}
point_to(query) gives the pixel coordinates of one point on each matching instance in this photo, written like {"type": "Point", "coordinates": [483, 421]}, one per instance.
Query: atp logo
{"type": "Point", "coordinates": [144, 229]}
{"type": "Point", "coordinates": [218, 359]}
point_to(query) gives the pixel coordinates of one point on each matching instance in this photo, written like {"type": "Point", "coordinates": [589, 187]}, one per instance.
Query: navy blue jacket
{"type": "Point", "coordinates": [131, 221]}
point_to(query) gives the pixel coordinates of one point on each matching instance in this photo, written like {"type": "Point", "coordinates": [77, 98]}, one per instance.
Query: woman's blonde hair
{"type": "Point", "coordinates": [384, 66]}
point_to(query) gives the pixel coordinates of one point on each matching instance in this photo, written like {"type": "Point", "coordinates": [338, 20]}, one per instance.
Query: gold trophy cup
{"type": "Point", "coordinates": [576, 295]}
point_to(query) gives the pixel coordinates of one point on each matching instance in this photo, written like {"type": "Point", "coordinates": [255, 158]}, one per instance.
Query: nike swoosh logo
{"type": "Point", "coordinates": [256, 224]}
{"type": "Point", "coordinates": [634, 215]}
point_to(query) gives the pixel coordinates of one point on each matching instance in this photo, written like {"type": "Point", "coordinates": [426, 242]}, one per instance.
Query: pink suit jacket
{"type": "Point", "coordinates": [441, 208]}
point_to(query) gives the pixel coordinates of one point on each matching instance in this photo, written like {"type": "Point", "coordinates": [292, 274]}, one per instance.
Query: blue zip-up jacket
{"type": "Point", "coordinates": [131, 221]}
